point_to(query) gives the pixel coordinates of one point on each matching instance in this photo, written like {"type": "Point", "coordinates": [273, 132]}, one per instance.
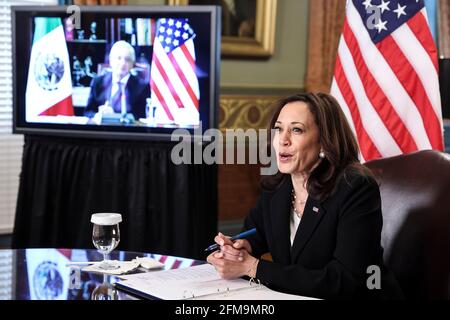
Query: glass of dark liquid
{"type": "Point", "coordinates": [106, 236]}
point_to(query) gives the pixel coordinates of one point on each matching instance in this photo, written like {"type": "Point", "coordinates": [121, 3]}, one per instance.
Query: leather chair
{"type": "Point", "coordinates": [415, 193]}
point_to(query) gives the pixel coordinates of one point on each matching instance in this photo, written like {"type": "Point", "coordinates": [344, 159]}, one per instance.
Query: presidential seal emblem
{"type": "Point", "coordinates": [47, 281]}
{"type": "Point", "coordinates": [48, 70]}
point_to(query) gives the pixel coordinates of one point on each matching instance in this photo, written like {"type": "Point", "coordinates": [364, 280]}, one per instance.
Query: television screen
{"type": "Point", "coordinates": [115, 71]}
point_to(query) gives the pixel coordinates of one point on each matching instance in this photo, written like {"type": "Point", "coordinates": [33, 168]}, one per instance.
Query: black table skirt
{"type": "Point", "coordinates": [166, 208]}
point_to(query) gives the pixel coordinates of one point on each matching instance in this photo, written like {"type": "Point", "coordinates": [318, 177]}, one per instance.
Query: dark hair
{"type": "Point", "coordinates": [336, 139]}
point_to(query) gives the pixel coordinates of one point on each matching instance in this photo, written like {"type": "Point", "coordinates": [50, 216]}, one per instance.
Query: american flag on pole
{"type": "Point", "coordinates": [386, 78]}
{"type": "Point", "coordinates": [174, 83]}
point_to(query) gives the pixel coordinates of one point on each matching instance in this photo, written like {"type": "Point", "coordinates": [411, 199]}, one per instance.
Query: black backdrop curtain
{"type": "Point", "coordinates": [165, 208]}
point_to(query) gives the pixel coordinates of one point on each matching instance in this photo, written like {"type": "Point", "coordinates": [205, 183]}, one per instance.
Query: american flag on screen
{"type": "Point", "coordinates": [386, 78]}
{"type": "Point", "coordinates": [174, 83]}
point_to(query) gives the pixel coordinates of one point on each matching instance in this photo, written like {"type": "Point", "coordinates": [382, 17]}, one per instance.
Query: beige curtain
{"type": "Point", "coordinates": [444, 28]}
{"type": "Point", "coordinates": [100, 2]}
{"type": "Point", "coordinates": [326, 18]}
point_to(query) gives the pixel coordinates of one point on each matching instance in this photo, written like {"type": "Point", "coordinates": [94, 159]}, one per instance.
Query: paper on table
{"type": "Point", "coordinates": [204, 272]}
{"type": "Point", "coordinates": [182, 283]}
{"type": "Point", "coordinates": [199, 282]}
{"type": "Point", "coordinates": [259, 293]}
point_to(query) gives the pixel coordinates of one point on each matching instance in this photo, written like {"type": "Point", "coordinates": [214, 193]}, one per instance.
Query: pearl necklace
{"type": "Point", "coordinates": [302, 202]}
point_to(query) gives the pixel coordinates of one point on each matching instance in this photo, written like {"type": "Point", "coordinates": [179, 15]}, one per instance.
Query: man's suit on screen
{"type": "Point", "coordinates": [136, 92]}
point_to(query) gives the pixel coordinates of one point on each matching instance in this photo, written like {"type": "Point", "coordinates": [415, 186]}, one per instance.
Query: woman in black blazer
{"type": "Point", "coordinates": [319, 217]}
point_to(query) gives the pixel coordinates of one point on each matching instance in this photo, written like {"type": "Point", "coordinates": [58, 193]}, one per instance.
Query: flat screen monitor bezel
{"type": "Point", "coordinates": [109, 132]}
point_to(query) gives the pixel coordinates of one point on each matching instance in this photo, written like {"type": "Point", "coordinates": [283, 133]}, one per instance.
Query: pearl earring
{"type": "Point", "coordinates": [321, 155]}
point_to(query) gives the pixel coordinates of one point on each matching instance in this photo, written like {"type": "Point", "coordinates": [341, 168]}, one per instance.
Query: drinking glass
{"type": "Point", "coordinates": [106, 236]}
{"type": "Point", "coordinates": [105, 291]}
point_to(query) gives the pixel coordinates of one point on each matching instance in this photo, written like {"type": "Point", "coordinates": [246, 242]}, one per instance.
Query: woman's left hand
{"type": "Point", "coordinates": [232, 269]}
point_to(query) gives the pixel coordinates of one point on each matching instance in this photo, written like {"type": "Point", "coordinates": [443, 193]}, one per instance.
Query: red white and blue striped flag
{"type": "Point", "coordinates": [386, 78]}
{"type": "Point", "coordinates": [174, 83]}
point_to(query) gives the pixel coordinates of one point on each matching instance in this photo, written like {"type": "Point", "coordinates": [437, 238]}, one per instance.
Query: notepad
{"type": "Point", "coordinates": [198, 282]}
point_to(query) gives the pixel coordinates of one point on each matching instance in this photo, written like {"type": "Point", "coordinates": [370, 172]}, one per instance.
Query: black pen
{"type": "Point", "coordinates": [236, 237]}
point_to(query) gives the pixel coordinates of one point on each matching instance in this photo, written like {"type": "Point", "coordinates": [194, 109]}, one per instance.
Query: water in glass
{"type": "Point", "coordinates": [106, 236]}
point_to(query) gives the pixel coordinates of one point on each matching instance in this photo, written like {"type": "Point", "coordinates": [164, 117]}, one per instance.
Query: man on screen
{"type": "Point", "coordinates": [118, 91]}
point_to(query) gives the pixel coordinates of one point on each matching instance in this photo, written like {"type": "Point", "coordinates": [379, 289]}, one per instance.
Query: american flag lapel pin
{"type": "Point", "coordinates": [316, 210]}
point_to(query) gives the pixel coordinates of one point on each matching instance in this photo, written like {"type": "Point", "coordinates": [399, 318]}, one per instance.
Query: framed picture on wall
{"type": "Point", "coordinates": [248, 26]}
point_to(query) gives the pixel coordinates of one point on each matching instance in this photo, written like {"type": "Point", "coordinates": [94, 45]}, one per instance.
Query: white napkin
{"type": "Point", "coordinates": [149, 263]}
{"type": "Point", "coordinates": [125, 266]}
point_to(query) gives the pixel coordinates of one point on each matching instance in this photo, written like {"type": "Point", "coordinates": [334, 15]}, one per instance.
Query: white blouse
{"type": "Point", "coordinates": [294, 221]}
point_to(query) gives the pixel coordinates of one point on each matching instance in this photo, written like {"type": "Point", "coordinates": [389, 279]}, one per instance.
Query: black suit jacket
{"type": "Point", "coordinates": [335, 242]}
{"type": "Point", "coordinates": [136, 92]}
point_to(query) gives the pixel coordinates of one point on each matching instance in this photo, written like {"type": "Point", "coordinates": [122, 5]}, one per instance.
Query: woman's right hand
{"type": "Point", "coordinates": [231, 250]}
{"type": "Point", "coordinates": [222, 240]}
{"type": "Point", "coordinates": [242, 244]}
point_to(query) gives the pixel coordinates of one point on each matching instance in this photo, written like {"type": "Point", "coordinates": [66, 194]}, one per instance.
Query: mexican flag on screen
{"type": "Point", "coordinates": [49, 85]}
